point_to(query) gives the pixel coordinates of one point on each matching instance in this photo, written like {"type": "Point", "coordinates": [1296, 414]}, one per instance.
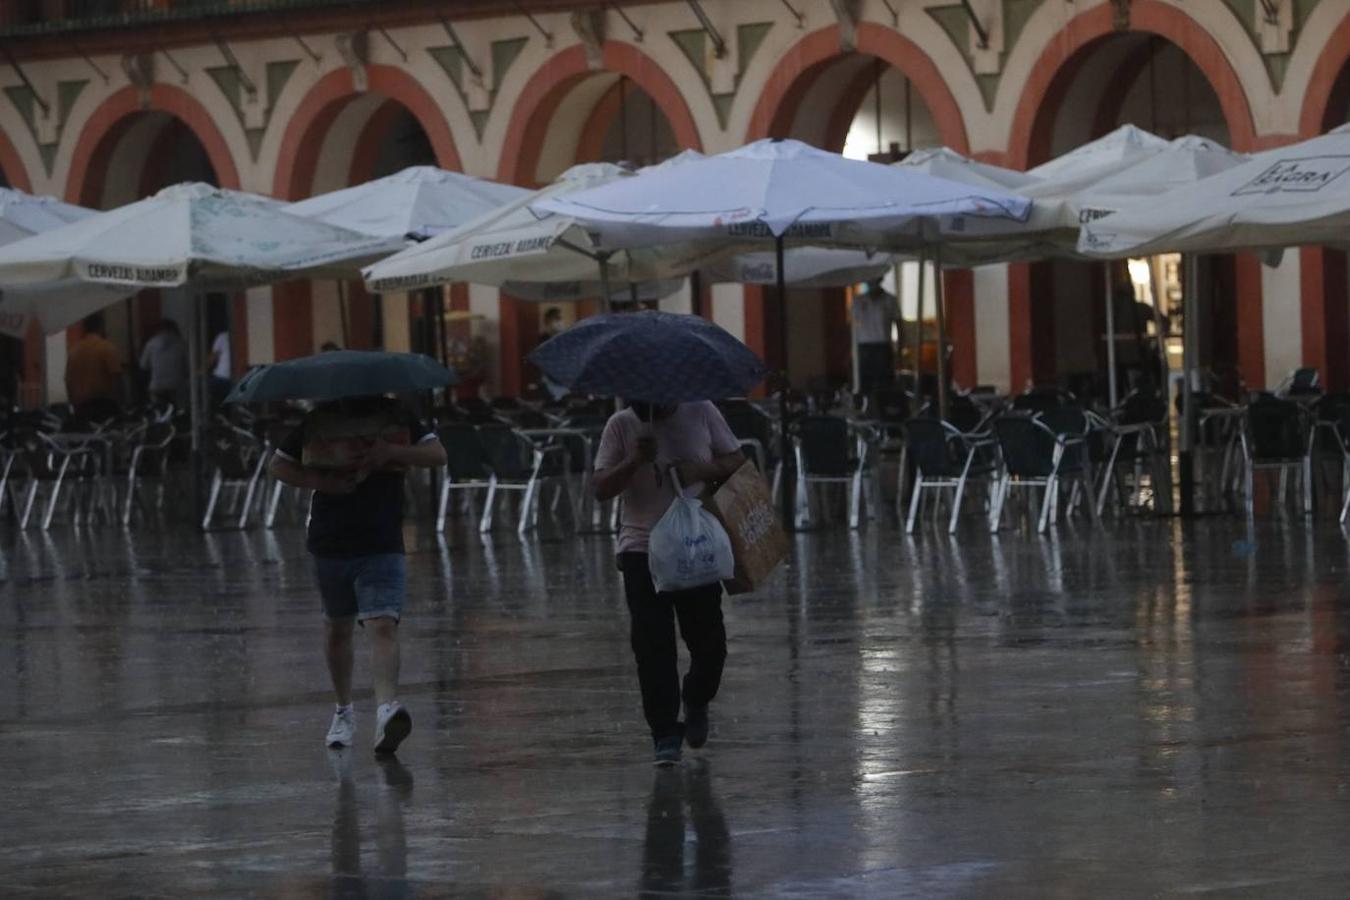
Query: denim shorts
{"type": "Point", "coordinates": [367, 587]}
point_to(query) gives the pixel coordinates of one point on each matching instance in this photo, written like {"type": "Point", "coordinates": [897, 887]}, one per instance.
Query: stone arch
{"type": "Point", "coordinates": [320, 107]}
{"type": "Point", "coordinates": [803, 63]}
{"type": "Point", "coordinates": [1038, 102]}
{"type": "Point", "coordinates": [109, 121]}
{"type": "Point", "coordinates": [558, 76]}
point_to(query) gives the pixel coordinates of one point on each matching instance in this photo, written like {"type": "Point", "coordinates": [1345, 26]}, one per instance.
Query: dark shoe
{"type": "Point", "coordinates": [668, 750]}
{"type": "Point", "coordinates": [696, 726]}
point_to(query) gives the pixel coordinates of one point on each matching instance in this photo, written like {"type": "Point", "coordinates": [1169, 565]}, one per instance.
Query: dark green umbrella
{"type": "Point", "coordinates": [342, 373]}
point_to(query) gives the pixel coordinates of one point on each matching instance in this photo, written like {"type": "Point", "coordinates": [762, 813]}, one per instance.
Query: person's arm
{"type": "Point", "coordinates": [610, 483]}
{"type": "Point", "coordinates": [289, 471]}
{"type": "Point", "coordinates": [726, 452]}
{"type": "Point", "coordinates": [427, 453]}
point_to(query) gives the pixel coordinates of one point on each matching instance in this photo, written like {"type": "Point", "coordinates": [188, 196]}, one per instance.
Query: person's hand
{"type": "Point", "coordinates": [646, 449]}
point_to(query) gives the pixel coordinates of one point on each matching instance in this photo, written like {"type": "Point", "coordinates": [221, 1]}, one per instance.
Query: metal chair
{"type": "Point", "coordinates": [827, 451]}
{"type": "Point", "coordinates": [945, 457]}
{"type": "Point", "coordinates": [237, 463]}
{"type": "Point", "coordinates": [1132, 448]}
{"type": "Point", "coordinates": [56, 465]}
{"type": "Point", "coordinates": [1042, 452]}
{"type": "Point", "coordinates": [518, 464]}
{"type": "Point", "coordinates": [1277, 437]}
{"type": "Point", "coordinates": [149, 459]}
{"type": "Point", "coordinates": [466, 466]}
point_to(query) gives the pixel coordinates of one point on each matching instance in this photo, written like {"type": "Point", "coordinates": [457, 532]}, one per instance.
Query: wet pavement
{"type": "Point", "coordinates": [1144, 711]}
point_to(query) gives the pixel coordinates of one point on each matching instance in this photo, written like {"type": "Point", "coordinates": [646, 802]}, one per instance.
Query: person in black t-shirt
{"type": "Point", "coordinates": [356, 539]}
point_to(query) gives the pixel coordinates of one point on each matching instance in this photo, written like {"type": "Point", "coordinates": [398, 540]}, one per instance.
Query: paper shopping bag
{"type": "Point", "coordinates": [744, 506]}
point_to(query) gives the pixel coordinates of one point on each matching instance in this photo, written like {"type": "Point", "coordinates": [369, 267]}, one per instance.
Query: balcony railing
{"type": "Point", "coordinates": [35, 17]}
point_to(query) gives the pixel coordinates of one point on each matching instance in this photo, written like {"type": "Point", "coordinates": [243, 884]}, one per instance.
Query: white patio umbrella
{"type": "Point", "coordinates": [1292, 196]}
{"type": "Point", "coordinates": [22, 216]}
{"type": "Point", "coordinates": [521, 251]}
{"type": "Point", "coordinates": [190, 236]}
{"type": "Point", "coordinates": [782, 191]}
{"type": "Point", "coordinates": [416, 203]}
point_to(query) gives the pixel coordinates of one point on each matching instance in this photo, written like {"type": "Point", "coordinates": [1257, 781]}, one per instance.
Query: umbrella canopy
{"type": "Point", "coordinates": [186, 235]}
{"type": "Point", "coordinates": [416, 203]}
{"type": "Point", "coordinates": [22, 216]}
{"type": "Point", "coordinates": [342, 373]}
{"type": "Point", "coordinates": [1287, 197]}
{"type": "Point", "coordinates": [514, 244]}
{"type": "Point", "coordinates": [1089, 163]}
{"type": "Point", "coordinates": [651, 356]}
{"type": "Point", "coordinates": [1084, 184]}
{"type": "Point", "coordinates": [778, 189]}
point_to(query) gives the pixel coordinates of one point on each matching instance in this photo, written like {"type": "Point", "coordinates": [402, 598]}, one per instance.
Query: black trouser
{"type": "Point", "coordinates": [653, 635]}
{"type": "Point", "coordinates": [876, 367]}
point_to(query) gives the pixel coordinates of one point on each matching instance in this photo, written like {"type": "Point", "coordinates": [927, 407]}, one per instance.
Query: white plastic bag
{"type": "Point", "coordinates": [689, 548]}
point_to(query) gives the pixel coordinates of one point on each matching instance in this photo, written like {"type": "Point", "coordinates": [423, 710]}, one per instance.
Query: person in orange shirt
{"type": "Point", "coordinates": [94, 372]}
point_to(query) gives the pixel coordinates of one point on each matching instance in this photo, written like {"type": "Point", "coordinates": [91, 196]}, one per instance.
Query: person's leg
{"type": "Point", "coordinates": [653, 640]}
{"type": "Point", "coordinates": [704, 632]}
{"type": "Point", "coordinates": [384, 657]}
{"type": "Point", "coordinates": [339, 610]}
{"type": "Point", "coordinates": [381, 581]}
{"type": "Point", "coordinates": [338, 651]}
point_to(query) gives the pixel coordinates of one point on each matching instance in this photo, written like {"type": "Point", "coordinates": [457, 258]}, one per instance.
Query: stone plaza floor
{"type": "Point", "coordinates": [1153, 709]}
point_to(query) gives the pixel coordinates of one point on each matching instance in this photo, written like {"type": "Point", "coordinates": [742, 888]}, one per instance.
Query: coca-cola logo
{"type": "Point", "coordinates": [1303, 176]}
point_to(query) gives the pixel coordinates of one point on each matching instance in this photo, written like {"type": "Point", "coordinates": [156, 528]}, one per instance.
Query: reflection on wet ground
{"type": "Point", "coordinates": [1151, 709]}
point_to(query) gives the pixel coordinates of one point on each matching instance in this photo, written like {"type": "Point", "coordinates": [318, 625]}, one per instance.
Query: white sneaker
{"type": "Point", "coordinates": [392, 725]}
{"type": "Point", "coordinates": [343, 730]}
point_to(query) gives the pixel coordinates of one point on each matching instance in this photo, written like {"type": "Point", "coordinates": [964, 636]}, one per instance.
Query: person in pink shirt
{"type": "Point", "coordinates": [640, 447]}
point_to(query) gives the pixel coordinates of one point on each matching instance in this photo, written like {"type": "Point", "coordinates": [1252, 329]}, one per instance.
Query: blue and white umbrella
{"type": "Point", "coordinates": [650, 356]}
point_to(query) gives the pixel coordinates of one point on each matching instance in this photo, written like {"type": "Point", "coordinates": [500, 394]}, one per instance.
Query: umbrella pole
{"type": "Point", "coordinates": [1190, 348]}
{"type": "Point", "coordinates": [603, 259]}
{"type": "Point", "coordinates": [918, 332]}
{"type": "Point", "coordinates": [195, 383]}
{"type": "Point", "coordinates": [939, 309]}
{"type": "Point", "coordinates": [787, 486]}
{"type": "Point", "coordinates": [343, 314]}
{"type": "Point", "coordinates": [1112, 389]}
{"type": "Point", "coordinates": [1164, 388]}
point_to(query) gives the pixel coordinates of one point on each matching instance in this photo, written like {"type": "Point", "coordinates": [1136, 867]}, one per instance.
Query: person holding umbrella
{"type": "Point", "coordinates": [353, 451]}
{"type": "Point", "coordinates": [669, 367]}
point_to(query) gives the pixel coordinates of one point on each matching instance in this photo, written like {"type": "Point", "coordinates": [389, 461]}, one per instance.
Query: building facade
{"type": "Point", "coordinates": [108, 100]}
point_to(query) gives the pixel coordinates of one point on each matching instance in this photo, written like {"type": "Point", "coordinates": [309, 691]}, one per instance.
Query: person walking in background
{"type": "Point", "coordinates": [165, 358]}
{"type": "Point", "coordinates": [875, 313]}
{"type": "Point", "coordinates": [639, 445]}
{"type": "Point", "coordinates": [356, 539]}
{"type": "Point", "coordinates": [219, 368]}
{"type": "Point", "coordinates": [94, 372]}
